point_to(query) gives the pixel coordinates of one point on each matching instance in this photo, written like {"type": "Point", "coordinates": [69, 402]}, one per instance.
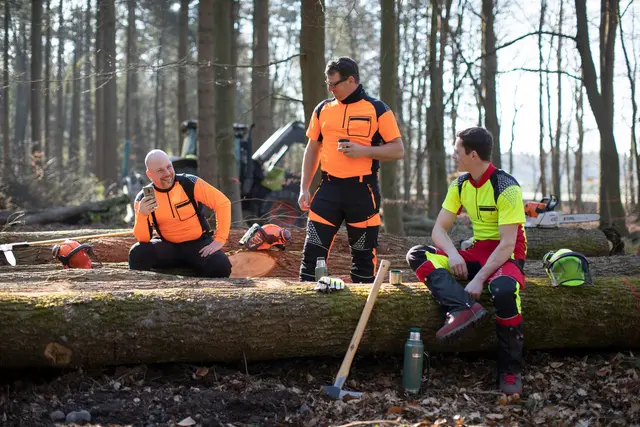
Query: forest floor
{"type": "Point", "coordinates": [577, 389]}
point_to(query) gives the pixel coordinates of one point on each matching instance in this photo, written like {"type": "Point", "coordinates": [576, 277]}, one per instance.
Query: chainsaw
{"type": "Point", "coordinates": [541, 215]}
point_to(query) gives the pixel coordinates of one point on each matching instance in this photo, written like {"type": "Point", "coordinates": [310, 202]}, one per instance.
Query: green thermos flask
{"type": "Point", "coordinates": [413, 362]}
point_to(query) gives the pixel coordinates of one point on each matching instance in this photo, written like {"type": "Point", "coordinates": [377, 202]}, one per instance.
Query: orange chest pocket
{"type": "Point", "coordinates": [184, 210]}
{"type": "Point", "coordinates": [359, 126]}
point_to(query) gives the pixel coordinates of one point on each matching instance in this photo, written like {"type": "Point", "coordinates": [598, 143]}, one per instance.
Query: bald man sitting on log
{"type": "Point", "coordinates": [172, 205]}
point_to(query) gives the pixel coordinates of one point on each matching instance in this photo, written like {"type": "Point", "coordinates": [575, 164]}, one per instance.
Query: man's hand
{"type": "Point", "coordinates": [147, 205]}
{"type": "Point", "coordinates": [353, 150]}
{"type": "Point", "coordinates": [459, 266]}
{"type": "Point", "coordinates": [474, 288]}
{"type": "Point", "coordinates": [211, 248]}
{"type": "Point", "coordinates": [303, 200]}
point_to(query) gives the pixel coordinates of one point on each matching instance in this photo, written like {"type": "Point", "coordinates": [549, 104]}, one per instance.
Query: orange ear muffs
{"type": "Point", "coordinates": [72, 254]}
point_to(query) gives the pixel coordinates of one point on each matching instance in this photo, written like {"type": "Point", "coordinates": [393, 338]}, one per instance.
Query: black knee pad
{"type": "Point", "coordinates": [363, 239]}
{"type": "Point", "coordinates": [217, 265]}
{"type": "Point", "coordinates": [417, 255]}
{"type": "Point", "coordinates": [503, 292]}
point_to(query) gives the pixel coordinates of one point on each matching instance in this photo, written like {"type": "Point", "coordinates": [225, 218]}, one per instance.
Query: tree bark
{"type": "Point", "coordinates": [133, 131]}
{"type": "Point", "coordinates": [60, 110]}
{"type": "Point", "coordinates": [7, 163]}
{"type": "Point", "coordinates": [229, 182]}
{"type": "Point", "coordinates": [543, 155]}
{"type": "Point", "coordinates": [577, 178]}
{"type": "Point", "coordinates": [611, 210]}
{"type": "Point", "coordinates": [95, 322]}
{"type": "Point", "coordinates": [260, 84]}
{"type": "Point", "coordinates": [388, 78]}
{"type": "Point", "coordinates": [183, 41]}
{"type": "Point", "coordinates": [489, 71]}
{"type": "Point", "coordinates": [109, 139]}
{"type": "Point", "coordinates": [89, 146]}
{"type": "Point", "coordinates": [47, 85]}
{"type": "Point", "coordinates": [159, 103]}
{"type": "Point", "coordinates": [99, 90]}
{"type": "Point", "coordinates": [74, 122]}
{"type": "Point", "coordinates": [36, 76]}
{"type": "Point", "coordinates": [556, 176]}
{"type": "Point", "coordinates": [312, 62]}
{"type": "Point", "coordinates": [436, 159]}
{"type": "Point", "coordinates": [207, 153]}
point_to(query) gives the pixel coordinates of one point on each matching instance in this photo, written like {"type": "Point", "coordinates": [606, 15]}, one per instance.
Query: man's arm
{"type": "Point", "coordinates": [441, 239]}
{"type": "Point", "coordinates": [310, 163]}
{"type": "Point", "coordinates": [440, 232]}
{"type": "Point", "coordinates": [309, 167]}
{"type": "Point", "coordinates": [392, 150]}
{"type": "Point", "coordinates": [216, 200]}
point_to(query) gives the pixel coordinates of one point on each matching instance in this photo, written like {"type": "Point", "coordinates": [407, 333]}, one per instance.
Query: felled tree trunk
{"type": "Point", "coordinates": [92, 318]}
{"type": "Point", "coordinates": [63, 214]}
{"type": "Point", "coordinates": [591, 242]}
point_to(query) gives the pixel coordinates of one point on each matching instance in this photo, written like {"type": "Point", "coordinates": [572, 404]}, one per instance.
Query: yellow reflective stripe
{"type": "Point", "coordinates": [438, 261]}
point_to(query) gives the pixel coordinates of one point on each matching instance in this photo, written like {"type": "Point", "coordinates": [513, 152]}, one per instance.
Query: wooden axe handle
{"type": "Point", "coordinates": [60, 240]}
{"type": "Point", "coordinates": [362, 323]}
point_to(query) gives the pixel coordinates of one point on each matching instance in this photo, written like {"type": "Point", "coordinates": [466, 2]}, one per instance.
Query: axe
{"type": "Point", "coordinates": [7, 248]}
{"type": "Point", "coordinates": [335, 390]}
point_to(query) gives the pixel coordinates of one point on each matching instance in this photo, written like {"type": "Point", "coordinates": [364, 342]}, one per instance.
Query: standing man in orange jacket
{"type": "Point", "coordinates": [176, 214]}
{"type": "Point", "coordinates": [348, 136]}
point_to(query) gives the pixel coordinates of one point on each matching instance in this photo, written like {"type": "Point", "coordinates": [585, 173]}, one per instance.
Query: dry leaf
{"type": "Point", "coordinates": [395, 410]}
{"type": "Point", "coordinates": [187, 422]}
{"type": "Point", "coordinates": [581, 392]}
{"type": "Point", "coordinates": [494, 416]}
{"type": "Point", "coordinates": [556, 365]}
{"type": "Point", "coordinates": [202, 371]}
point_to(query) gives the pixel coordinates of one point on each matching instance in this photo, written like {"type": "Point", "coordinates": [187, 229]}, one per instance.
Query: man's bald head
{"type": "Point", "coordinates": [159, 169]}
{"type": "Point", "coordinates": [155, 156]}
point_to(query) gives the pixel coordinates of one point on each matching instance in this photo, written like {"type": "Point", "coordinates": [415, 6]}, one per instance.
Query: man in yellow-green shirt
{"type": "Point", "coordinates": [493, 200]}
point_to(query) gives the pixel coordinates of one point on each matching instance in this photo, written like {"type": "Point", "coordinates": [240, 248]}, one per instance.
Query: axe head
{"type": "Point", "coordinates": [337, 393]}
{"type": "Point", "coordinates": [7, 249]}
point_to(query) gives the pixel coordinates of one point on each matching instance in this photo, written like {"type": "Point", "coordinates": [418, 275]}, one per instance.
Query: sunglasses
{"type": "Point", "coordinates": [334, 84]}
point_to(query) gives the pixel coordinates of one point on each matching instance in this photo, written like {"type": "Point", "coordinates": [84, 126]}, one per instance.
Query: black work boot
{"type": "Point", "coordinates": [510, 360]}
{"type": "Point", "coordinates": [462, 310]}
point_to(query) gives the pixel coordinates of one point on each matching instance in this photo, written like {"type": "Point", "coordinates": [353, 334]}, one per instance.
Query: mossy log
{"type": "Point", "coordinates": [589, 241]}
{"type": "Point", "coordinates": [77, 318]}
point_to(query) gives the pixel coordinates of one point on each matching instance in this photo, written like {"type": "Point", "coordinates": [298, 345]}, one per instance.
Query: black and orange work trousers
{"type": "Point", "coordinates": [356, 201]}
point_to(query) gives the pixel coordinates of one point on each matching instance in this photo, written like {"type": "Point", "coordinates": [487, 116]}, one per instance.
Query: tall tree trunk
{"type": "Point", "coordinates": [22, 98]}
{"type": "Point", "coordinates": [312, 53]}
{"type": "Point", "coordinates": [543, 154]}
{"type": "Point", "coordinates": [436, 159]}
{"type": "Point", "coordinates": [7, 164]}
{"type": "Point", "coordinates": [160, 141]}
{"type": "Point", "coordinates": [388, 78]}
{"type": "Point", "coordinates": [74, 131]}
{"type": "Point", "coordinates": [60, 116]}
{"type": "Point", "coordinates": [99, 83]}
{"type": "Point", "coordinates": [420, 151]}
{"type": "Point", "coordinates": [260, 93]}
{"type": "Point", "coordinates": [631, 76]}
{"type": "Point", "coordinates": [567, 162]}
{"type": "Point", "coordinates": [225, 107]}
{"type": "Point", "coordinates": [611, 210]}
{"type": "Point", "coordinates": [556, 176]}
{"type": "Point", "coordinates": [110, 110]}
{"type": "Point", "coordinates": [47, 85]}
{"type": "Point", "coordinates": [489, 71]}
{"type": "Point", "coordinates": [577, 177]}
{"type": "Point", "coordinates": [133, 132]}
{"type": "Point", "coordinates": [207, 153]}
{"type": "Point", "coordinates": [36, 76]}
{"type": "Point", "coordinates": [89, 147]}
{"type": "Point", "coordinates": [183, 56]}
{"type": "Point", "coordinates": [312, 61]}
